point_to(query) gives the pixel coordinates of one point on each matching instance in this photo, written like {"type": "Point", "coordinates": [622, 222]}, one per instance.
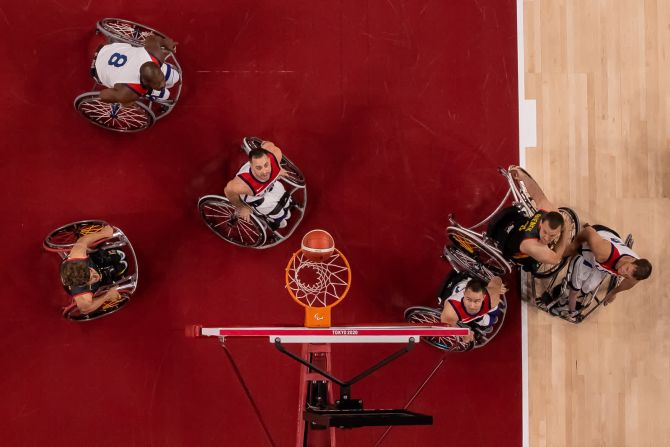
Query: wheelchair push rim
{"type": "Point", "coordinates": [126, 30]}
{"type": "Point", "coordinates": [63, 238]}
{"type": "Point", "coordinates": [113, 116]}
{"type": "Point", "coordinates": [428, 315]}
{"type": "Point", "coordinates": [220, 217]}
{"type": "Point", "coordinates": [72, 312]}
{"type": "Point", "coordinates": [486, 262]}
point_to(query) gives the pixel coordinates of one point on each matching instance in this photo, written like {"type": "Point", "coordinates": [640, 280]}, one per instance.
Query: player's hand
{"type": "Point", "coordinates": [470, 337]}
{"type": "Point", "coordinates": [283, 173]}
{"type": "Point", "coordinates": [169, 44]}
{"type": "Point", "coordinates": [515, 172]}
{"type": "Point", "coordinates": [244, 213]}
{"type": "Point", "coordinates": [268, 145]}
{"type": "Point", "coordinates": [496, 286]}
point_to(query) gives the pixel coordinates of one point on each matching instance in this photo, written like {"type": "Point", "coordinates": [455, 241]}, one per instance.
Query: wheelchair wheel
{"type": "Point", "coordinates": [126, 31]}
{"type": "Point", "coordinates": [475, 256]}
{"type": "Point", "coordinates": [548, 270]}
{"type": "Point", "coordinates": [73, 313]}
{"type": "Point", "coordinates": [113, 116]}
{"type": "Point", "coordinates": [428, 315]}
{"type": "Point", "coordinates": [293, 174]}
{"type": "Point", "coordinates": [63, 238]}
{"type": "Point", "coordinates": [219, 215]}
{"type": "Point", "coordinates": [525, 200]}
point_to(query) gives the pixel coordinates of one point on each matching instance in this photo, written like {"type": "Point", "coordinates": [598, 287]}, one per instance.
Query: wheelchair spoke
{"type": "Point", "coordinates": [128, 30]}
{"type": "Point", "coordinates": [117, 118]}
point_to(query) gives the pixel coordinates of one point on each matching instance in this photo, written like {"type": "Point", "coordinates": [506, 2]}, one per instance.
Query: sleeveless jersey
{"type": "Point", "coordinates": [259, 188]}
{"type": "Point", "coordinates": [618, 250]}
{"type": "Point", "coordinates": [119, 63]}
{"type": "Point", "coordinates": [530, 229]}
{"type": "Point", "coordinates": [456, 301]}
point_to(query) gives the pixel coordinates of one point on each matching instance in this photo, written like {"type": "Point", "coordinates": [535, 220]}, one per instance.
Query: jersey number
{"type": "Point", "coordinates": [117, 60]}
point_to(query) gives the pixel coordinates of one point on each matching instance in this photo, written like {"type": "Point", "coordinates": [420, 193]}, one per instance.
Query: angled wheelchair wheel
{"type": "Point", "coordinates": [219, 215]}
{"type": "Point", "coordinates": [126, 31]}
{"type": "Point", "coordinates": [428, 315]}
{"type": "Point", "coordinates": [113, 116]}
{"type": "Point", "coordinates": [63, 238]}
{"type": "Point", "coordinates": [469, 253]}
{"type": "Point", "coordinates": [73, 313]}
{"type": "Point", "coordinates": [293, 174]}
{"type": "Point", "coordinates": [571, 219]}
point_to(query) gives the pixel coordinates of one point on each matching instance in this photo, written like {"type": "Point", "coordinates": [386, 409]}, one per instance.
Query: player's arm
{"type": "Point", "coordinates": [448, 315]}
{"type": "Point", "coordinates": [496, 289]}
{"type": "Point", "coordinates": [87, 303]}
{"type": "Point", "coordinates": [80, 248]}
{"type": "Point", "coordinates": [626, 284]}
{"type": "Point", "coordinates": [160, 47]}
{"type": "Point", "coordinates": [540, 252]}
{"type": "Point", "coordinates": [270, 146]}
{"type": "Point", "coordinates": [536, 193]}
{"type": "Point", "coordinates": [118, 94]}
{"type": "Point", "coordinates": [600, 247]}
{"type": "Point", "coordinates": [233, 190]}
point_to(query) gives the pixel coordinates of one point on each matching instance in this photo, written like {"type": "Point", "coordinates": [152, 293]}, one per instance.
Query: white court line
{"type": "Point", "coordinates": [527, 138]}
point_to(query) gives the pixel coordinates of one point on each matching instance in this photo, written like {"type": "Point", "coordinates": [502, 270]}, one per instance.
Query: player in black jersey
{"type": "Point", "coordinates": [529, 242]}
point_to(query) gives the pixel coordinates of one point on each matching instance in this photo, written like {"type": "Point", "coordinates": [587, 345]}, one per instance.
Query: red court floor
{"type": "Point", "coordinates": [398, 112]}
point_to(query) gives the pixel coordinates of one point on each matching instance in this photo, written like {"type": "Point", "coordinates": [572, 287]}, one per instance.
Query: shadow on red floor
{"type": "Point", "coordinates": [397, 112]}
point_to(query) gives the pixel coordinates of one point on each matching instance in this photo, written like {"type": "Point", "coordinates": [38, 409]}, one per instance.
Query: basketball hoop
{"type": "Point", "coordinates": [318, 285]}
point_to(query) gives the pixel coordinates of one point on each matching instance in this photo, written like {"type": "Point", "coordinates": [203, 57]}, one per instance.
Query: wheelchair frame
{"type": "Point", "coordinates": [146, 111]}
{"type": "Point", "coordinates": [461, 253]}
{"type": "Point", "coordinates": [588, 306]}
{"type": "Point", "coordinates": [125, 285]}
{"type": "Point", "coordinates": [430, 315]}
{"type": "Point", "coordinates": [268, 236]}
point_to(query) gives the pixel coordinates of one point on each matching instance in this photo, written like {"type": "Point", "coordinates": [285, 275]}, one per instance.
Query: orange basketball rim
{"type": "Point", "coordinates": [318, 285]}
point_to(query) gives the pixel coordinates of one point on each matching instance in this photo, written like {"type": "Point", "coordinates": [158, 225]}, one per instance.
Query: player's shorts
{"type": "Point", "coordinates": [274, 203]}
{"type": "Point", "coordinates": [584, 276]}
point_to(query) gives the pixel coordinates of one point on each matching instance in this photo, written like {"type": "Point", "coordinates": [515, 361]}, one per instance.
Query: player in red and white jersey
{"type": "Point", "coordinates": [256, 187]}
{"type": "Point", "coordinates": [130, 72]}
{"type": "Point", "coordinates": [474, 303]}
{"type": "Point", "coordinates": [598, 252]}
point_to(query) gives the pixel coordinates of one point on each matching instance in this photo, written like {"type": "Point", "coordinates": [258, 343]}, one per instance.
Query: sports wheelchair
{"type": "Point", "coordinates": [554, 294]}
{"type": "Point", "coordinates": [479, 254]}
{"type": "Point", "coordinates": [147, 109]}
{"type": "Point", "coordinates": [62, 239]}
{"type": "Point", "coordinates": [221, 217]}
{"type": "Point", "coordinates": [430, 315]}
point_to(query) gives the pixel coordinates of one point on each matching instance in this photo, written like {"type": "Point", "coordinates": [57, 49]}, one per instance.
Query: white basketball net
{"type": "Point", "coordinates": [318, 284]}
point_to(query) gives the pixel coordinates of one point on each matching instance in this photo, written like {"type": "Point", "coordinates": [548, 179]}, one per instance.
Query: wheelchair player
{"type": "Point", "coordinates": [255, 187]}
{"type": "Point", "coordinates": [472, 302]}
{"type": "Point", "coordinates": [530, 241]}
{"type": "Point", "coordinates": [84, 272]}
{"type": "Point", "coordinates": [598, 252]}
{"type": "Point", "coordinates": [130, 72]}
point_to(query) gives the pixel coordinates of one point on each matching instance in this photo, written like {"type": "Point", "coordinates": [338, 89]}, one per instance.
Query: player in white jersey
{"type": "Point", "coordinates": [474, 303]}
{"type": "Point", "coordinates": [599, 252]}
{"type": "Point", "coordinates": [256, 186]}
{"type": "Point", "coordinates": [130, 72]}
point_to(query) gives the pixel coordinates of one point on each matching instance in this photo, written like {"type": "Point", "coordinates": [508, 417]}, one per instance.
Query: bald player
{"type": "Point", "coordinates": [131, 72]}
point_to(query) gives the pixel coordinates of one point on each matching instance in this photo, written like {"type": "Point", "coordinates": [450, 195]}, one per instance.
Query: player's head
{"type": "Point", "coordinates": [75, 273]}
{"type": "Point", "coordinates": [151, 76]}
{"type": "Point", "coordinates": [638, 270]}
{"type": "Point", "coordinates": [260, 163]}
{"type": "Point", "coordinates": [473, 295]}
{"type": "Point", "coordinates": [551, 226]}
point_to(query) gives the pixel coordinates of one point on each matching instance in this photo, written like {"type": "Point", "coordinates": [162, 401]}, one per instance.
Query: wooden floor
{"type": "Point", "coordinates": [600, 72]}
